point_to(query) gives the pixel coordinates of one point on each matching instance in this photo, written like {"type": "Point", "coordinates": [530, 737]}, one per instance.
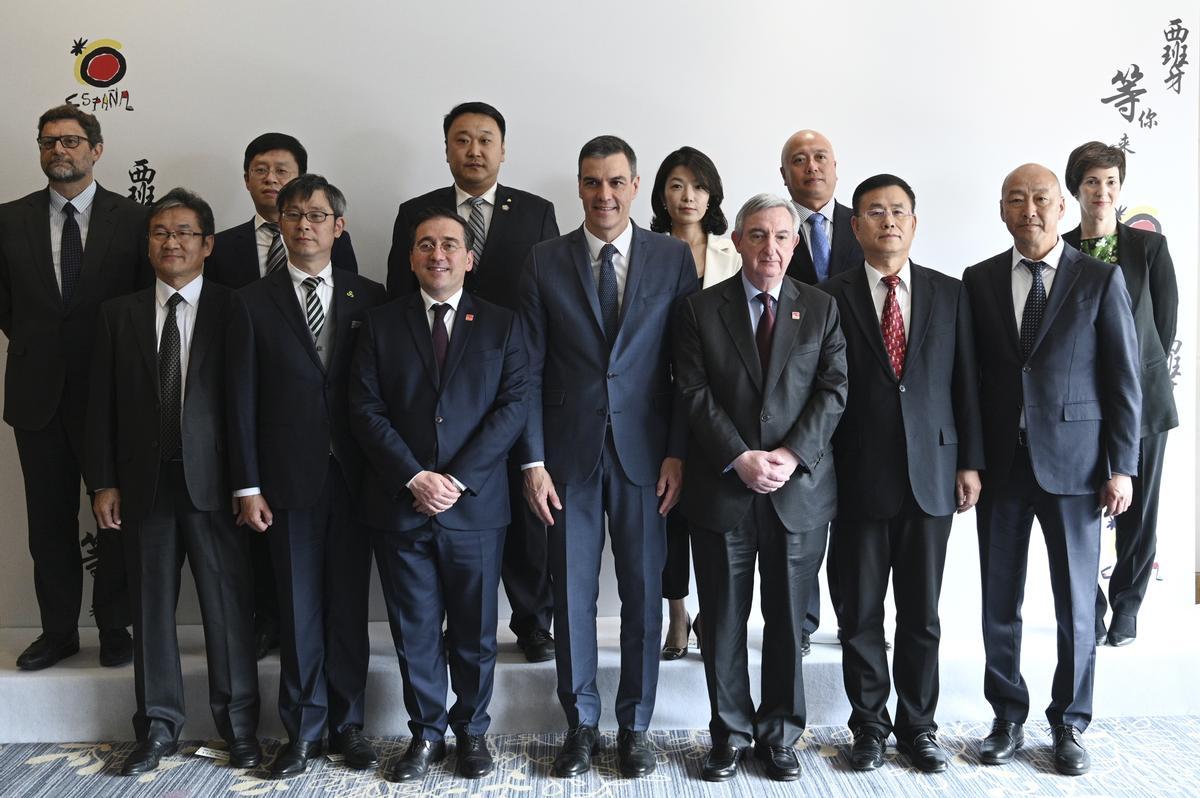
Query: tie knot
{"type": "Point", "coordinates": [891, 281]}
{"type": "Point", "coordinates": [310, 284]}
{"type": "Point", "coordinates": [607, 252]}
{"type": "Point", "coordinates": [174, 300]}
{"type": "Point", "coordinates": [765, 299]}
{"type": "Point", "coordinates": [476, 202]}
{"type": "Point", "coordinates": [440, 310]}
{"type": "Point", "coordinates": [69, 209]}
{"type": "Point", "coordinates": [1035, 266]}
{"type": "Point", "coordinates": [272, 227]}
{"type": "Point", "coordinates": [816, 219]}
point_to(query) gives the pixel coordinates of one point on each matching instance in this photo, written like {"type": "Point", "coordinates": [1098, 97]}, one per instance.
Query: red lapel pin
{"type": "Point", "coordinates": [470, 317]}
{"type": "Point", "coordinates": [795, 315]}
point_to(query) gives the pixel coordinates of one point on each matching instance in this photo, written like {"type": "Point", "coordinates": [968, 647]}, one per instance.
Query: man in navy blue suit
{"type": "Point", "coordinates": [1060, 398]}
{"type": "Point", "coordinates": [437, 399]}
{"type": "Point", "coordinates": [604, 438]}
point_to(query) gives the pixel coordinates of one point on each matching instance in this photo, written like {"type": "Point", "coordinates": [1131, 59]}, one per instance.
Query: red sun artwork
{"type": "Point", "coordinates": [100, 63]}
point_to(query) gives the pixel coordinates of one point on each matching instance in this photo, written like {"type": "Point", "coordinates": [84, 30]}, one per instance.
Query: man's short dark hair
{"type": "Point", "coordinates": [182, 198]}
{"type": "Point", "coordinates": [883, 181]}
{"type": "Point", "coordinates": [441, 213]}
{"type": "Point", "coordinates": [299, 189]}
{"type": "Point", "coordinates": [276, 141]}
{"type": "Point", "coordinates": [705, 172]}
{"type": "Point", "coordinates": [89, 123]}
{"type": "Point", "coordinates": [604, 146]}
{"type": "Point", "coordinates": [475, 107]}
{"type": "Point", "coordinates": [1093, 155]}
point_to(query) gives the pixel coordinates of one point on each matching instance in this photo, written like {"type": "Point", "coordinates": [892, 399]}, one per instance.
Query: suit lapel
{"type": "Point", "coordinates": [788, 317]}
{"type": "Point", "coordinates": [583, 269]}
{"type": "Point", "coordinates": [840, 246]}
{"type": "Point", "coordinates": [37, 224]}
{"type": "Point", "coordinates": [459, 338]}
{"type": "Point", "coordinates": [283, 294]}
{"type": "Point", "coordinates": [862, 308]}
{"type": "Point", "coordinates": [921, 311]}
{"type": "Point", "coordinates": [141, 319]}
{"type": "Point", "coordinates": [500, 218]}
{"type": "Point", "coordinates": [1000, 275]}
{"type": "Point", "coordinates": [736, 316]}
{"type": "Point", "coordinates": [100, 232]}
{"type": "Point", "coordinates": [417, 319]}
{"type": "Point", "coordinates": [801, 268]}
{"type": "Point", "coordinates": [638, 244]}
{"type": "Point", "coordinates": [1132, 257]}
{"type": "Point", "coordinates": [246, 245]}
{"type": "Point", "coordinates": [202, 334]}
{"type": "Point", "coordinates": [1068, 272]}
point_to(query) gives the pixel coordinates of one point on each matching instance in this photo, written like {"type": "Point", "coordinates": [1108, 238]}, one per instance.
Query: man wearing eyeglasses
{"type": "Point", "coordinates": [437, 398]}
{"type": "Point", "coordinates": [241, 255]}
{"type": "Point", "coordinates": [296, 471]}
{"type": "Point", "coordinates": [63, 251]}
{"type": "Point", "coordinates": [908, 453]}
{"type": "Point", "coordinates": [156, 459]}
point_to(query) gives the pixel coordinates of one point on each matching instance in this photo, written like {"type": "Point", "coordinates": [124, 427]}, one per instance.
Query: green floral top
{"type": "Point", "coordinates": [1102, 249]}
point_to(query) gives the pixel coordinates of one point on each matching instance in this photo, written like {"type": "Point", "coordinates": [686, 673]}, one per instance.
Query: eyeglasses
{"type": "Point", "coordinates": [427, 247]}
{"type": "Point", "coordinates": [70, 142]}
{"type": "Point", "coordinates": [316, 217]}
{"type": "Point", "coordinates": [878, 214]}
{"type": "Point", "coordinates": [283, 175]}
{"type": "Point", "coordinates": [182, 236]}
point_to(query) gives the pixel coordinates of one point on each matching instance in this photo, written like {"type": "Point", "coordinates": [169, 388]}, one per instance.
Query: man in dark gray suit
{"type": "Point", "coordinates": [760, 363]}
{"type": "Point", "coordinates": [604, 438]}
{"type": "Point", "coordinates": [1061, 402]}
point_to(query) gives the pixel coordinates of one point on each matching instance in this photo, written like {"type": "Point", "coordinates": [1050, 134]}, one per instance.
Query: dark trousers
{"type": "Point", "coordinates": [323, 570]}
{"type": "Point", "coordinates": [525, 567]}
{"type": "Point", "coordinates": [262, 575]}
{"type": "Point", "coordinates": [677, 572]}
{"type": "Point", "coordinates": [51, 460]}
{"type": "Point", "coordinates": [216, 551]}
{"type": "Point", "coordinates": [1136, 542]}
{"type": "Point", "coordinates": [911, 549]}
{"type": "Point", "coordinates": [1071, 527]}
{"type": "Point", "coordinates": [812, 617]}
{"type": "Point", "coordinates": [639, 548]}
{"type": "Point", "coordinates": [787, 565]}
{"type": "Point", "coordinates": [430, 574]}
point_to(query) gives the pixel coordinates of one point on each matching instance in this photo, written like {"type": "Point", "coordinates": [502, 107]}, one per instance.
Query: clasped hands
{"type": "Point", "coordinates": [433, 493]}
{"type": "Point", "coordinates": [766, 472]}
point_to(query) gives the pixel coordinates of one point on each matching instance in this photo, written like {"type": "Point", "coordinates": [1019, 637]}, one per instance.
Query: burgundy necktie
{"type": "Point", "coordinates": [892, 326]}
{"type": "Point", "coordinates": [766, 323]}
{"type": "Point", "coordinates": [441, 337]}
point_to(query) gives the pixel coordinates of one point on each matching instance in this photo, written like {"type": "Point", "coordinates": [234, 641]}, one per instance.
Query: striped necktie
{"type": "Point", "coordinates": [276, 255]}
{"type": "Point", "coordinates": [313, 310]}
{"type": "Point", "coordinates": [476, 224]}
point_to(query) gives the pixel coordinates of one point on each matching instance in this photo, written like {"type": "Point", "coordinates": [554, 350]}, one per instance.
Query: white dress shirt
{"type": "Point", "coordinates": [263, 238]}
{"type": "Point", "coordinates": [185, 319]}
{"type": "Point", "coordinates": [1022, 278]}
{"type": "Point", "coordinates": [83, 216]}
{"type": "Point", "coordinates": [806, 229]}
{"type": "Point", "coordinates": [756, 307]}
{"type": "Point", "coordinates": [620, 259]}
{"type": "Point", "coordinates": [451, 314]}
{"type": "Point", "coordinates": [324, 286]}
{"type": "Point", "coordinates": [463, 204]}
{"type": "Point", "coordinates": [879, 292]}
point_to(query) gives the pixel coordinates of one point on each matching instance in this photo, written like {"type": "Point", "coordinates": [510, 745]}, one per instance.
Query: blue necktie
{"type": "Point", "coordinates": [70, 254]}
{"type": "Point", "coordinates": [1035, 308]}
{"type": "Point", "coordinates": [607, 290]}
{"type": "Point", "coordinates": [820, 246]}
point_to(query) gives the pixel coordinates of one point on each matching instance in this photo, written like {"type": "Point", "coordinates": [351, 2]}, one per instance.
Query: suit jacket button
{"type": "Point", "coordinates": [1026, 369]}
{"type": "Point", "coordinates": [901, 389]}
{"type": "Point", "coordinates": [765, 418]}
{"type": "Point", "coordinates": [437, 419]}
{"type": "Point", "coordinates": [612, 375]}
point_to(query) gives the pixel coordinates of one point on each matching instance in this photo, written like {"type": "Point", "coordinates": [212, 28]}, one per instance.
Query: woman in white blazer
{"type": "Point", "coordinates": [687, 205]}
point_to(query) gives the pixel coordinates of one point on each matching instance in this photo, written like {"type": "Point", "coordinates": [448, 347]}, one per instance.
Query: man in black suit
{"type": "Point", "coordinates": [157, 463]}
{"type": "Point", "coordinates": [907, 452]}
{"type": "Point", "coordinates": [1061, 400]}
{"type": "Point", "coordinates": [296, 471]}
{"type": "Point", "coordinates": [827, 247]}
{"type": "Point", "coordinates": [437, 399]}
{"type": "Point", "coordinates": [241, 255]}
{"type": "Point", "coordinates": [760, 362]}
{"type": "Point", "coordinates": [604, 429]}
{"type": "Point", "coordinates": [506, 223]}
{"type": "Point", "coordinates": [63, 251]}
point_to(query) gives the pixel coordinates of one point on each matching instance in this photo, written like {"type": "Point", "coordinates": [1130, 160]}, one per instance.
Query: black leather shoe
{"type": "Point", "coordinates": [355, 749]}
{"type": "Point", "coordinates": [146, 756]}
{"type": "Point", "coordinates": [923, 752]}
{"type": "Point", "coordinates": [245, 753]}
{"type": "Point", "coordinates": [116, 647]}
{"type": "Point", "coordinates": [722, 762]}
{"type": "Point", "coordinates": [294, 758]}
{"type": "Point", "coordinates": [417, 759]}
{"type": "Point", "coordinates": [780, 760]}
{"type": "Point", "coordinates": [805, 644]}
{"type": "Point", "coordinates": [266, 640]}
{"type": "Point", "coordinates": [634, 754]}
{"type": "Point", "coordinates": [538, 646]}
{"type": "Point", "coordinates": [1002, 742]}
{"type": "Point", "coordinates": [575, 757]}
{"type": "Point", "coordinates": [867, 752]}
{"type": "Point", "coordinates": [1069, 757]}
{"type": "Point", "coordinates": [45, 651]}
{"type": "Point", "coordinates": [474, 760]}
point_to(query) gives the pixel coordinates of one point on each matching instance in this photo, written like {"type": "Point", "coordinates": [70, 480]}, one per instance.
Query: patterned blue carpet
{"type": "Point", "coordinates": [1130, 757]}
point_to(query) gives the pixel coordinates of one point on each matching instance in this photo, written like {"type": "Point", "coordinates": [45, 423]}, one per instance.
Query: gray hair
{"type": "Point", "coordinates": [764, 202]}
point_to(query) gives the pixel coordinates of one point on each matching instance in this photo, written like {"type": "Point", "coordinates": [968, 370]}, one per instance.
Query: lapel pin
{"type": "Point", "coordinates": [504, 207]}
{"type": "Point", "coordinates": [795, 315]}
{"type": "Point", "coordinates": [350, 294]}
{"type": "Point", "coordinates": [469, 317]}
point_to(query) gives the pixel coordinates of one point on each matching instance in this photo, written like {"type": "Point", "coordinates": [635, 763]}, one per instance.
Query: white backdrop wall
{"type": "Point", "coordinates": [949, 96]}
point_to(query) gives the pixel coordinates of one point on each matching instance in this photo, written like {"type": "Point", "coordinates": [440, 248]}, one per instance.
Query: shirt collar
{"type": "Point", "coordinates": [875, 277]}
{"type": "Point", "coordinates": [260, 220]}
{"type": "Point", "coordinates": [190, 292]}
{"type": "Point", "coordinates": [621, 242]}
{"type": "Point", "coordinates": [488, 196]}
{"type": "Point", "coordinates": [82, 201]}
{"type": "Point", "coordinates": [298, 276]}
{"type": "Point", "coordinates": [453, 301]}
{"type": "Point", "coordinates": [752, 291]}
{"type": "Point", "coordinates": [1051, 260]}
{"type": "Point", "coordinates": [826, 211]}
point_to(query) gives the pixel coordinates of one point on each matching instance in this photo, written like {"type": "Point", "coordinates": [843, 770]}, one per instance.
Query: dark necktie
{"type": "Point", "coordinates": [607, 289]}
{"type": "Point", "coordinates": [70, 255]}
{"type": "Point", "coordinates": [766, 323]}
{"type": "Point", "coordinates": [276, 255]}
{"type": "Point", "coordinates": [170, 381]}
{"type": "Point", "coordinates": [313, 311]}
{"type": "Point", "coordinates": [441, 336]}
{"type": "Point", "coordinates": [891, 324]}
{"type": "Point", "coordinates": [820, 246]}
{"type": "Point", "coordinates": [1035, 308]}
{"type": "Point", "coordinates": [476, 224]}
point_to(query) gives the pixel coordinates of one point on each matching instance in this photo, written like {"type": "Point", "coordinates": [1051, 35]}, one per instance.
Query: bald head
{"type": "Point", "coordinates": [809, 169]}
{"type": "Point", "coordinates": [1032, 205]}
